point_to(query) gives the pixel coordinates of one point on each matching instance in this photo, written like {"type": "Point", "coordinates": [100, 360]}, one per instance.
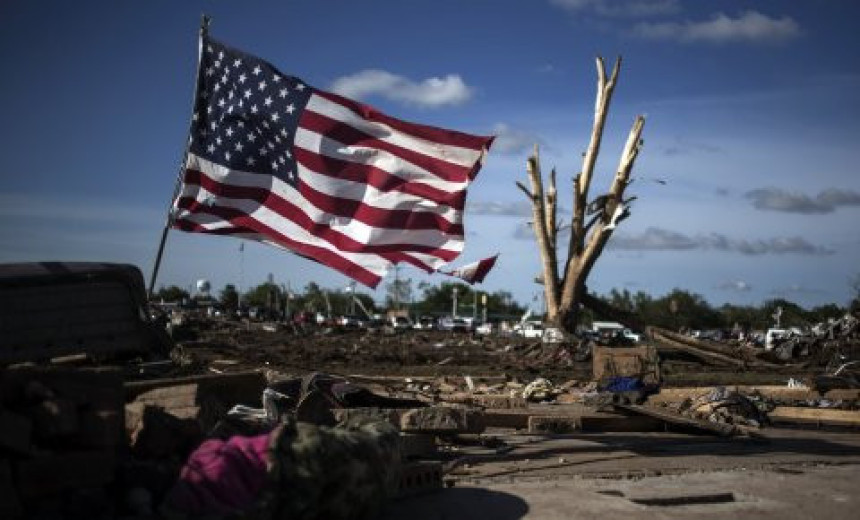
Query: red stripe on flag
{"type": "Point", "coordinates": [294, 214]}
{"type": "Point", "coordinates": [431, 133]}
{"type": "Point", "coordinates": [347, 208]}
{"type": "Point", "coordinates": [243, 223]}
{"type": "Point", "coordinates": [406, 220]}
{"type": "Point", "coordinates": [376, 177]}
{"type": "Point", "coordinates": [349, 136]}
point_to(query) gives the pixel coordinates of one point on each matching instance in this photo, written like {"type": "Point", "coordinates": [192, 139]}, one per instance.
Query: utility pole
{"type": "Point", "coordinates": [241, 271]}
{"type": "Point", "coordinates": [454, 306]}
{"type": "Point", "coordinates": [397, 287]}
{"type": "Point", "coordinates": [351, 290]}
{"type": "Point", "coordinates": [287, 297]}
{"type": "Point", "coordinates": [484, 301]}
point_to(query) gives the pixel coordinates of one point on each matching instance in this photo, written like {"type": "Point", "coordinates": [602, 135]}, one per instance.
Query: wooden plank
{"type": "Point", "coordinates": [494, 401]}
{"type": "Point", "coordinates": [723, 430]}
{"type": "Point", "coordinates": [843, 394]}
{"type": "Point", "coordinates": [499, 401]}
{"type": "Point", "coordinates": [823, 416]}
{"type": "Point", "coordinates": [783, 393]}
{"type": "Point", "coordinates": [620, 423]}
{"type": "Point", "coordinates": [506, 419]}
{"type": "Point", "coordinates": [558, 424]}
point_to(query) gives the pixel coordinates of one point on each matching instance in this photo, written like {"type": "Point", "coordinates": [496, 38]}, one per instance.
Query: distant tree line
{"type": "Point", "coordinates": [433, 300]}
{"type": "Point", "coordinates": [682, 309]}
{"type": "Point", "coordinates": [679, 309]}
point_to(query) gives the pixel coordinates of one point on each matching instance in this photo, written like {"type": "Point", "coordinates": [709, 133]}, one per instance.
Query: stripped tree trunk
{"type": "Point", "coordinates": [565, 291]}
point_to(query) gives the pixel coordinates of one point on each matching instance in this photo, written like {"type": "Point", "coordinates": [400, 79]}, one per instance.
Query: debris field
{"type": "Point", "coordinates": [477, 418]}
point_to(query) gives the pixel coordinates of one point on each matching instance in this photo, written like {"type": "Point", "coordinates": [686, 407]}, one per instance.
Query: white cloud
{"type": "Point", "coordinates": [827, 201]}
{"type": "Point", "coordinates": [431, 92]}
{"type": "Point", "coordinates": [776, 245]}
{"type": "Point", "coordinates": [795, 290]}
{"type": "Point", "coordinates": [510, 140]}
{"type": "Point", "coordinates": [750, 27]}
{"type": "Point", "coordinates": [735, 285]}
{"type": "Point", "coordinates": [508, 209]}
{"type": "Point", "coordinates": [525, 231]}
{"type": "Point", "coordinates": [621, 8]}
{"type": "Point", "coordinates": [653, 239]}
{"type": "Point", "coordinates": [684, 146]}
{"type": "Point", "coordinates": [658, 239]}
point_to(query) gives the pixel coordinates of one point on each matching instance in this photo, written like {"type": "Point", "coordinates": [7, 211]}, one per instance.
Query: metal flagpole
{"type": "Point", "coordinates": [204, 29]}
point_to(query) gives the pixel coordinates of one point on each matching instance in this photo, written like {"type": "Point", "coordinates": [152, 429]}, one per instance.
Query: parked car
{"type": "Point", "coordinates": [304, 318]}
{"type": "Point", "coordinates": [529, 329]}
{"type": "Point", "coordinates": [484, 328]}
{"type": "Point", "coordinates": [461, 325]}
{"type": "Point", "coordinates": [400, 322]}
{"type": "Point", "coordinates": [454, 324]}
{"type": "Point", "coordinates": [376, 324]}
{"type": "Point", "coordinates": [610, 329]}
{"type": "Point", "coordinates": [352, 322]}
{"type": "Point", "coordinates": [425, 323]}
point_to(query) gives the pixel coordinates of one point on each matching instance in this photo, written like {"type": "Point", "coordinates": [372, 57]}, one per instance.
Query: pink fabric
{"type": "Point", "coordinates": [221, 477]}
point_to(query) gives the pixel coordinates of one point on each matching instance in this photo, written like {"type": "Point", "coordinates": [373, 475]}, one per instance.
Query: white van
{"type": "Point", "coordinates": [613, 326]}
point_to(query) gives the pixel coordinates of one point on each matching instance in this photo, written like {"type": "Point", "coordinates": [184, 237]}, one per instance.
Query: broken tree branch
{"type": "Point", "coordinates": [525, 190]}
{"type": "Point", "coordinates": [547, 251]}
{"type": "Point", "coordinates": [582, 182]}
{"type": "Point", "coordinates": [605, 87]}
{"type": "Point", "coordinates": [579, 267]}
{"type": "Point", "coordinates": [550, 211]}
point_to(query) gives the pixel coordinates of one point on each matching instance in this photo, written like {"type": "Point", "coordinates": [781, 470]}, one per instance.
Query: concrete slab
{"type": "Point", "coordinates": [792, 493]}
{"type": "Point", "coordinates": [788, 474]}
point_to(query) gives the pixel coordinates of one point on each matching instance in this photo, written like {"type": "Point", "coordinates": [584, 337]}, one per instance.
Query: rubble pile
{"type": "Point", "coordinates": [724, 406]}
{"type": "Point", "coordinates": [256, 399]}
{"type": "Point", "coordinates": [828, 345]}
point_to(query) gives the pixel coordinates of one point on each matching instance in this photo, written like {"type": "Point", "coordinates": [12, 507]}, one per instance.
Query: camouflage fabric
{"type": "Point", "coordinates": [332, 473]}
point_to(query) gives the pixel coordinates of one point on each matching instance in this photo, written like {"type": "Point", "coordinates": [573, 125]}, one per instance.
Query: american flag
{"type": "Point", "coordinates": [474, 272]}
{"type": "Point", "coordinates": [273, 159]}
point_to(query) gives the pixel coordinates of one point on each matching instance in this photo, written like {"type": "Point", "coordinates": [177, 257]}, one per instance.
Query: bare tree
{"type": "Point", "coordinates": [592, 222]}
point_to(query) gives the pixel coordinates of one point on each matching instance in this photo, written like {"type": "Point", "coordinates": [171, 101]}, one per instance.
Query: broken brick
{"type": "Point", "coordinates": [442, 419]}
{"type": "Point", "coordinates": [499, 401]}
{"type": "Point", "coordinates": [382, 414]}
{"type": "Point", "coordinates": [553, 424]}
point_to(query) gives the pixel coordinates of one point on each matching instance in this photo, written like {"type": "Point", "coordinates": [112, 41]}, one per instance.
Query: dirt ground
{"type": "Point", "coordinates": [235, 346]}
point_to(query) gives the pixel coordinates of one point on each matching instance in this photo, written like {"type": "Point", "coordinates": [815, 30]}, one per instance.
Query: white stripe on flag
{"type": "Point", "coordinates": [465, 157]}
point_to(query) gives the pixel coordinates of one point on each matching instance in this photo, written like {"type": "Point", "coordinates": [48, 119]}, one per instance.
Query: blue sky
{"type": "Point", "coordinates": [753, 116]}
